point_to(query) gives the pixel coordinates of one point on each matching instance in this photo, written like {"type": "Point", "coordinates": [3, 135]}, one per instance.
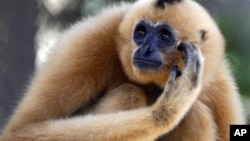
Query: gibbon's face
{"type": "Point", "coordinates": [151, 31]}
{"type": "Point", "coordinates": [154, 42]}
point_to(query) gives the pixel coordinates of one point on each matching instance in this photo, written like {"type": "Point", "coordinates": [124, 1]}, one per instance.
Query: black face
{"type": "Point", "coordinates": [151, 40]}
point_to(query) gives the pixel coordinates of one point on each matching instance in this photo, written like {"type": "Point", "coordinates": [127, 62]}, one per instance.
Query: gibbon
{"type": "Point", "coordinates": [152, 70]}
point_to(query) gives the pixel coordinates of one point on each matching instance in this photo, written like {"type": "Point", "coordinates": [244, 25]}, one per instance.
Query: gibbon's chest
{"type": "Point", "coordinates": [152, 92]}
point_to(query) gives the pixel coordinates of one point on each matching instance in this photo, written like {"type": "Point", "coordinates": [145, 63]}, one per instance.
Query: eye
{"type": "Point", "coordinates": [164, 35]}
{"type": "Point", "coordinates": [141, 31]}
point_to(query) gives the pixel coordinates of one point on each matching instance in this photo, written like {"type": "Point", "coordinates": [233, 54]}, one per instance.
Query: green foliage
{"type": "Point", "coordinates": [236, 29]}
{"type": "Point", "coordinates": [130, 0]}
{"type": "Point", "coordinates": [248, 119]}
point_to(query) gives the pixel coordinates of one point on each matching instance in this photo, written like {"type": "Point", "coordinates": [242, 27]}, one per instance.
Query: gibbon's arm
{"type": "Point", "coordinates": [124, 97]}
{"type": "Point", "coordinates": [197, 125]}
{"type": "Point", "coordinates": [142, 124]}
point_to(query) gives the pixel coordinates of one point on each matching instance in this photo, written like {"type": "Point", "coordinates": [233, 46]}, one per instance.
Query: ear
{"type": "Point", "coordinates": [203, 35]}
{"type": "Point", "coordinates": [161, 3]}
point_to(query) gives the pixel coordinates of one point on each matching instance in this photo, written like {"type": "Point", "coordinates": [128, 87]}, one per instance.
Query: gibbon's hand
{"type": "Point", "coordinates": [192, 69]}
{"type": "Point", "coordinates": [180, 94]}
{"type": "Point", "coordinates": [193, 57]}
{"type": "Point", "coordinates": [193, 60]}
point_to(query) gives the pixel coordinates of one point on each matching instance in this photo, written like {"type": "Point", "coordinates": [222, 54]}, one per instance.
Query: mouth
{"type": "Point", "coordinates": [146, 65]}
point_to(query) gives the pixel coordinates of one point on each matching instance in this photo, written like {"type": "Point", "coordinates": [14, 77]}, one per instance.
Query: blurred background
{"type": "Point", "coordinates": [29, 28]}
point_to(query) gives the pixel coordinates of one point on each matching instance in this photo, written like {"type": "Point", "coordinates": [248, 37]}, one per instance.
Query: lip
{"type": "Point", "coordinates": [145, 64]}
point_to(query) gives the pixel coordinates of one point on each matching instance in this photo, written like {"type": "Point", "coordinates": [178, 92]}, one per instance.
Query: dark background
{"type": "Point", "coordinates": [22, 22]}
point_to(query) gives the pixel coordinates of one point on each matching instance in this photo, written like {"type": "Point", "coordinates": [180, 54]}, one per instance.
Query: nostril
{"type": "Point", "coordinates": [146, 53]}
{"type": "Point", "coordinates": [149, 51]}
{"type": "Point", "coordinates": [146, 50]}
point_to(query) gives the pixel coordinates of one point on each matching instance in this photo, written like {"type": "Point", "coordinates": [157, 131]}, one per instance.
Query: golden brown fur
{"type": "Point", "coordinates": [94, 58]}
